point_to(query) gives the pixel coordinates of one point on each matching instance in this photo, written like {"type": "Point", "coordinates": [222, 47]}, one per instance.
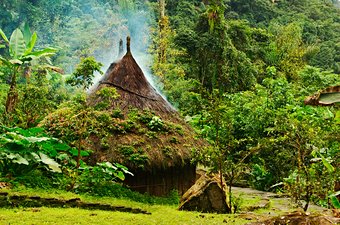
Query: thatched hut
{"type": "Point", "coordinates": [159, 157]}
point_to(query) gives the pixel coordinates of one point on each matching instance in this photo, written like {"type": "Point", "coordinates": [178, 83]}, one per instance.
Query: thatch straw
{"type": "Point", "coordinates": [136, 92]}
{"type": "Point", "coordinates": [134, 89]}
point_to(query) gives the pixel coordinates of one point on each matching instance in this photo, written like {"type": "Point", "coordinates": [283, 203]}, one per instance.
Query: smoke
{"type": "Point", "coordinates": [136, 24]}
{"type": "Point", "coordinates": [93, 28]}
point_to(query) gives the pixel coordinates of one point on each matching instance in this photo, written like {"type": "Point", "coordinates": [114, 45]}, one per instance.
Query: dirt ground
{"type": "Point", "coordinates": [269, 208]}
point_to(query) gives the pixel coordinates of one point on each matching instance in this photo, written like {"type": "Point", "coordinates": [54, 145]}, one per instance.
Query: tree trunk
{"type": "Point", "coordinates": [12, 95]}
{"type": "Point", "coordinates": [163, 25]}
{"type": "Point", "coordinates": [161, 8]}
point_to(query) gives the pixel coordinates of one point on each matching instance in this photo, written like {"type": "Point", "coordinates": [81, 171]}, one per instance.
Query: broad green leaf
{"type": "Point", "coordinates": [35, 131]}
{"type": "Point", "coordinates": [325, 162]}
{"type": "Point", "coordinates": [109, 165]}
{"type": "Point", "coordinates": [37, 139]}
{"type": "Point", "coordinates": [84, 153]}
{"type": "Point", "coordinates": [329, 166]}
{"type": "Point", "coordinates": [123, 168]}
{"type": "Point", "coordinates": [2, 46]}
{"type": "Point", "coordinates": [20, 160]}
{"type": "Point", "coordinates": [128, 172]}
{"type": "Point", "coordinates": [120, 175]}
{"type": "Point", "coordinates": [337, 117]}
{"type": "Point", "coordinates": [74, 152]}
{"type": "Point", "coordinates": [120, 166]}
{"type": "Point", "coordinates": [31, 43]}
{"type": "Point", "coordinates": [41, 53]}
{"type": "Point", "coordinates": [17, 44]}
{"type": "Point", "coordinates": [35, 156]}
{"type": "Point", "coordinates": [27, 34]}
{"type": "Point", "coordinates": [48, 148]}
{"type": "Point", "coordinates": [16, 61]}
{"type": "Point", "coordinates": [3, 35]}
{"type": "Point", "coordinates": [53, 165]}
{"type": "Point", "coordinates": [12, 156]}
{"type": "Point", "coordinates": [61, 146]}
{"type": "Point", "coordinates": [335, 202]}
{"type": "Point", "coordinates": [63, 156]}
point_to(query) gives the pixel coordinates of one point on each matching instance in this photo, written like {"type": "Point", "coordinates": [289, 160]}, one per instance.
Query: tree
{"type": "Point", "coordinates": [21, 54]}
{"type": "Point", "coordinates": [84, 73]}
{"type": "Point", "coordinates": [83, 77]}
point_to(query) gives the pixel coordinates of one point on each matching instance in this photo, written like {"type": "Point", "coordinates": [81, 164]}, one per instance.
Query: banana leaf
{"type": "Point", "coordinates": [3, 35]}
{"type": "Point", "coordinates": [17, 44]}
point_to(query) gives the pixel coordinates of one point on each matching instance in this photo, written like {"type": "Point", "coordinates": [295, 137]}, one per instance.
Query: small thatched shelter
{"type": "Point", "coordinates": [206, 195]}
{"type": "Point", "coordinates": [158, 149]}
{"type": "Point", "coordinates": [326, 97]}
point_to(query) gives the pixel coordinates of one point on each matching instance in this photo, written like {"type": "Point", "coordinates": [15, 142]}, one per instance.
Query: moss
{"type": "Point", "coordinates": [102, 105]}
{"type": "Point", "coordinates": [174, 140]}
{"type": "Point", "coordinates": [151, 134]}
{"type": "Point", "coordinates": [132, 129]}
{"type": "Point", "coordinates": [133, 155]}
{"type": "Point", "coordinates": [175, 128]}
{"type": "Point", "coordinates": [126, 150]}
{"type": "Point", "coordinates": [104, 118]}
{"type": "Point", "coordinates": [117, 113]}
{"type": "Point", "coordinates": [145, 117]}
{"type": "Point", "coordinates": [138, 143]}
{"type": "Point", "coordinates": [148, 147]}
{"type": "Point", "coordinates": [167, 150]}
{"type": "Point", "coordinates": [105, 143]}
{"type": "Point", "coordinates": [142, 130]}
{"type": "Point", "coordinates": [128, 125]}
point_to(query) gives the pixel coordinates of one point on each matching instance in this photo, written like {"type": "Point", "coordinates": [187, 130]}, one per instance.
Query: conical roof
{"type": "Point", "coordinates": [134, 89]}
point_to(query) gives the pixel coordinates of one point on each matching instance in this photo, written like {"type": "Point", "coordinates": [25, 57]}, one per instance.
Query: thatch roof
{"type": "Point", "coordinates": [326, 97]}
{"type": "Point", "coordinates": [134, 89]}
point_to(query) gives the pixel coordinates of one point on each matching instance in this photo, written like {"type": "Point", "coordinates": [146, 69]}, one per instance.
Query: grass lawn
{"type": "Point", "coordinates": [166, 214]}
{"type": "Point", "coordinates": [160, 214]}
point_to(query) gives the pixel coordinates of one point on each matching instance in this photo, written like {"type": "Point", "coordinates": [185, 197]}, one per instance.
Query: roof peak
{"type": "Point", "coordinates": [128, 42]}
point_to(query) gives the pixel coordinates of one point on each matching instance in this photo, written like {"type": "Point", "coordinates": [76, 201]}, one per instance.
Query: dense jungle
{"type": "Point", "coordinates": [133, 111]}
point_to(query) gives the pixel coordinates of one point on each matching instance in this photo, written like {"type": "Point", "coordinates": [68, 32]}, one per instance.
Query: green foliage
{"type": "Point", "coordinates": [93, 179]}
{"type": "Point", "coordinates": [21, 51]}
{"type": "Point", "coordinates": [21, 55]}
{"type": "Point", "coordinates": [23, 151]}
{"type": "Point", "coordinates": [156, 124]}
{"type": "Point", "coordinates": [261, 179]}
{"type": "Point", "coordinates": [239, 69]}
{"type": "Point", "coordinates": [27, 153]}
{"type": "Point", "coordinates": [313, 79]}
{"type": "Point", "coordinates": [334, 200]}
{"type": "Point", "coordinates": [134, 156]}
{"type": "Point", "coordinates": [107, 95]}
{"type": "Point", "coordinates": [84, 73]}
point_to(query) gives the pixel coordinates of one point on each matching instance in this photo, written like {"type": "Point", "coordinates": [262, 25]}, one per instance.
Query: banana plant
{"type": "Point", "coordinates": [20, 51]}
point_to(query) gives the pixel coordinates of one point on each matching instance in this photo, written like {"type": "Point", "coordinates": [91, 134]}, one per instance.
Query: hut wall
{"type": "Point", "coordinates": [162, 182]}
